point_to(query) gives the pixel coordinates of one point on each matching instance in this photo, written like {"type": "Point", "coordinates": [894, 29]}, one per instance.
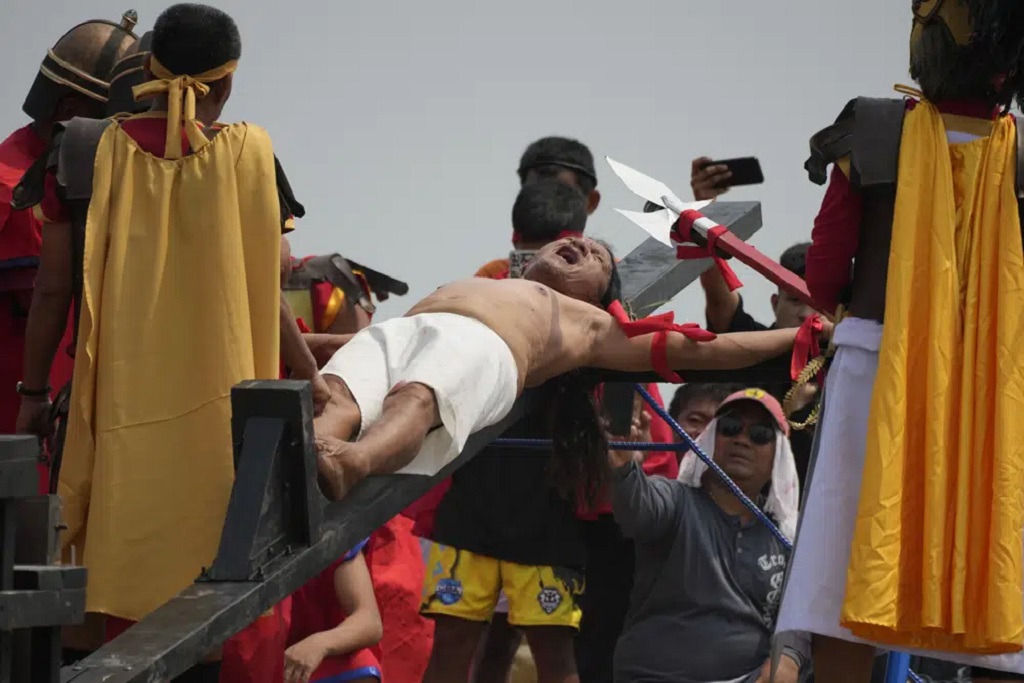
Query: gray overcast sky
{"type": "Point", "coordinates": [400, 123]}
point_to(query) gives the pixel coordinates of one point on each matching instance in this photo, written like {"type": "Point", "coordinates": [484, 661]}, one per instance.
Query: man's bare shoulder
{"type": "Point", "coordinates": [482, 285]}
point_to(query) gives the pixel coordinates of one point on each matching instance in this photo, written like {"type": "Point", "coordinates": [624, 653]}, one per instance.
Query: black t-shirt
{"type": "Point", "coordinates": [501, 505]}
{"type": "Point", "coordinates": [799, 440]}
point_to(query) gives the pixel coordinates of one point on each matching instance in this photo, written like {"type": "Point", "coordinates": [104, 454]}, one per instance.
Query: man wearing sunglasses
{"type": "Point", "coordinates": [708, 572]}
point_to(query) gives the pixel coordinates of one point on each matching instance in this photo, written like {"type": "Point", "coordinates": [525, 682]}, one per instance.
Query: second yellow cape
{"type": "Point", "coordinates": [936, 561]}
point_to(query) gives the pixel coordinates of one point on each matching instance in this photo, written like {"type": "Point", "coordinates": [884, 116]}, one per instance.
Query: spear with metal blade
{"type": "Point", "coordinates": [680, 224]}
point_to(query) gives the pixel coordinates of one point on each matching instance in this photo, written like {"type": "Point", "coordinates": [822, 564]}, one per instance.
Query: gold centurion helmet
{"type": "Point", "coordinates": [80, 64]}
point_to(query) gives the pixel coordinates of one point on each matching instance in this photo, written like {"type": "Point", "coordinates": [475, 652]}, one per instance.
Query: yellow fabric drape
{"type": "Point", "coordinates": [936, 560]}
{"type": "Point", "coordinates": [182, 92]}
{"type": "Point", "coordinates": [181, 301]}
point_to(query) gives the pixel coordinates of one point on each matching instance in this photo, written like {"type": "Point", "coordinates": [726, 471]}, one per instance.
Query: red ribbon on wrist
{"type": "Point", "coordinates": [805, 346]}
{"type": "Point", "coordinates": [659, 325]}
{"type": "Point", "coordinates": [683, 233]}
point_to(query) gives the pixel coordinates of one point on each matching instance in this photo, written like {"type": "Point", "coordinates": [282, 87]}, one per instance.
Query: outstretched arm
{"type": "Point", "coordinates": [613, 350]}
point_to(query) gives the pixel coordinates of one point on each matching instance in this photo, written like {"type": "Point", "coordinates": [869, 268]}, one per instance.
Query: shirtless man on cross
{"type": "Point", "coordinates": [413, 389]}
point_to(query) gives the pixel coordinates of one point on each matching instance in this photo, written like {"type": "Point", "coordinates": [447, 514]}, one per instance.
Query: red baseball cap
{"type": "Point", "coordinates": [762, 397]}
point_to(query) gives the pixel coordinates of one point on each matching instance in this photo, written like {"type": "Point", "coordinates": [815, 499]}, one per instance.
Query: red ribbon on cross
{"type": "Point", "coordinates": [683, 233]}
{"type": "Point", "coordinates": [806, 345]}
{"type": "Point", "coordinates": [659, 325]}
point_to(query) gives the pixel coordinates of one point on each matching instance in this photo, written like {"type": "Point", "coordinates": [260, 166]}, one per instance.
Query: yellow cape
{"type": "Point", "coordinates": [936, 561]}
{"type": "Point", "coordinates": [181, 302]}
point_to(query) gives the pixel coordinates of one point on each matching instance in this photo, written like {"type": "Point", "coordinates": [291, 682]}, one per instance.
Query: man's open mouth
{"type": "Point", "coordinates": [569, 254]}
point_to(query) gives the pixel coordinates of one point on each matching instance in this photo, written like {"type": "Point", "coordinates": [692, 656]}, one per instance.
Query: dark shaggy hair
{"type": "Point", "coordinates": [687, 393]}
{"type": "Point", "coordinates": [191, 39]}
{"type": "Point", "coordinates": [946, 71]}
{"type": "Point", "coordinates": [794, 259]}
{"type": "Point", "coordinates": [546, 208]}
{"type": "Point", "coordinates": [579, 463]}
{"type": "Point", "coordinates": [548, 156]}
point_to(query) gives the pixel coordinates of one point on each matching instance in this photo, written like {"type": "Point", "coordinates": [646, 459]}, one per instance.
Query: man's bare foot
{"type": "Point", "coordinates": [340, 466]}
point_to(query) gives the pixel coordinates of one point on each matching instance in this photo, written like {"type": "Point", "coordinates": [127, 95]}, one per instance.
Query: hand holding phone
{"type": "Point", "coordinates": [709, 178]}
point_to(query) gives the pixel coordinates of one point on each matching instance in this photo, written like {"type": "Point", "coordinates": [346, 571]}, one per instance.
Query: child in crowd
{"type": "Point", "coordinates": [335, 626]}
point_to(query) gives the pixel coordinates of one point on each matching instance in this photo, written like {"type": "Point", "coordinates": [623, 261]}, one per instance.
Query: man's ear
{"type": "Point", "coordinates": [220, 90]}
{"type": "Point", "coordinates": [593, 199]}
{"type": "Point", "coordinates": [775, 301]}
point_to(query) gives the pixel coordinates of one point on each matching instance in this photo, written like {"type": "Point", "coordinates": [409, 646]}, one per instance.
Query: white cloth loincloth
{"type": "Point", "coordinates": [816, 585]}
{"type": "Point", "coordinates": [470, 368]}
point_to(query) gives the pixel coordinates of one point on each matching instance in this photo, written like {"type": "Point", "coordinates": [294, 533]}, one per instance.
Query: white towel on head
{"type": "Point", "coordinates": [783, 497]}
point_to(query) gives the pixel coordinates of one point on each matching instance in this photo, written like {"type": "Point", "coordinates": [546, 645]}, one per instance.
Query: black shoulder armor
{"type": "Point", "coordinates": [877, 131]}
{"type": "Point", "coordinates": [868, 131]}
{"type": "Point", "coordinates": [77, 157]}
{"type": "Point", "coordinates": [32, 186]}
{"type": "Point", "coordinates": [290, 206]}
{"type": "Point", "coordinates": [830, 145]}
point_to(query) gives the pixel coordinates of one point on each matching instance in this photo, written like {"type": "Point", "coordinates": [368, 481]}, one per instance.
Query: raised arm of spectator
{"type": "Point", "coordinates": [644, 507]}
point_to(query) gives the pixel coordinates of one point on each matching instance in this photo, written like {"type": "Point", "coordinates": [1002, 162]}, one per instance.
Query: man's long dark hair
{"type": "Point", "coordinates": [579, 463]}
{"type": "Point", "coordinates": [947, 71]}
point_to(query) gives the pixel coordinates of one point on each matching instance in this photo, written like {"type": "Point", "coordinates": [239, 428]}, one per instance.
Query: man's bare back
{"type": "Point", "coordinates": [548, 333]}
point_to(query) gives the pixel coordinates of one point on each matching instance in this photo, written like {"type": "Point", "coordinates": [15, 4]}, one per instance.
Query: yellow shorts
{"type": "Point", "coordinates": [461, 584]}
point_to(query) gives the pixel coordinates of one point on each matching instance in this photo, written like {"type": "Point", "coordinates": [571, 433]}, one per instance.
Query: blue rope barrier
{"type": "Point", "coordinates": [897, 668]}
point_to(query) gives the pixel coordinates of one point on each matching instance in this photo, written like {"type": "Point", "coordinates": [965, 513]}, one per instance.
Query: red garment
{"type": "Point", "coordinates": [256, 655]}
{"type": "Point", "coordinates": [396, 565]}
{"type": "Point", "coordinates": [836, 233]}
{"type": "Point", "coordinates": [834, 242]}
{"type": "Point", "coordinates": [20, 241]}
{"type": "Point", "coordinates": [315, 609]}
{"type": "Point", "coordinates": [20, 231]}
